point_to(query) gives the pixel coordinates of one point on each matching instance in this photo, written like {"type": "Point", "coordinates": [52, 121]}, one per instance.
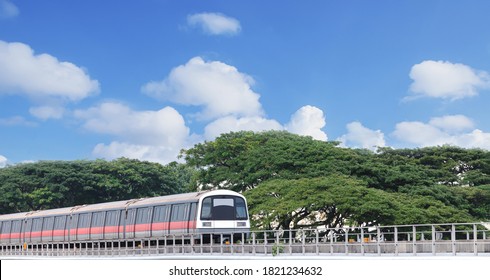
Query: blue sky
{"type": "Point", "coordinates": [144, 79]}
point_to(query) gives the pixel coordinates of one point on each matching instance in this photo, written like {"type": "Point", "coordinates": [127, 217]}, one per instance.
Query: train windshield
{"type": "Point", "coordinates": [224, 208]}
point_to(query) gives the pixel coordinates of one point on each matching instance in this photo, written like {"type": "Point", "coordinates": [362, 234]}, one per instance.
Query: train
{"type": "Point", "coordinates": [194, 215]}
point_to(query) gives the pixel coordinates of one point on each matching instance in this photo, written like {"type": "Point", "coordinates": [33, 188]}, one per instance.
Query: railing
{"type": "Point", "coordinates": [432, 239]}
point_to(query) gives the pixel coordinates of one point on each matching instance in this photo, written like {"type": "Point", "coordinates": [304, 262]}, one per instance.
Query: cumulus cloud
{"type": "Point", "coordinates": [219, 88]}
{"type": "Point", "coordinates": [443, 79]}
{"type": "Point", "coordinates": [441, 131]}
{"type": "Point", "coordinates": [42, 78]}
{"type": "Point", "coordinates": [359, 136]}
{"type": "Point", "coordinates": [231, 123]}
{"type": "Point", "coordinates": [3, 161]}
{"type": "Point", "coordinates": [308, 121]}
{"type": "Point", "coordinates": [147, 135]}
{"type": "Point", "coordinates": [16, 121]}
{"type": "Point", "coordinates": [8, 9]}
{"type": "Point", "coordinates": [115, 149]}
{"type": "Point", "coordinates": [452, 123]}
{"type": "Point", "coordinates": [214, 23]}
{"type": "Point", "coordinates": [47, 112]}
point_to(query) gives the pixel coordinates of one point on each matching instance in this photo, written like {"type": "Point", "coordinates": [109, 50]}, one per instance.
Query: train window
{"type": "Point", "coordinates": [160, 214]}
{"type": "Point", "coordinates": [84, 220]}
{"type": "Point", "coordinates": [111, 218]}
{"type": "Point", "coordinates": [178, 212]}
{"type": "Point", "coordinates": [16, 226]}
{"type": "Point", "coordinates": [59, 222]}
{"type": "Point", "coordinates": [37, 224]}
{"type": "Point", "coordinates": [240, 209]}
{"type": "Point", "coordinates": [130, 216]}
{"type": "Point", "coordinates": [223, 202]}
{"type": "Point", "coordinates": [98, 219]}
{"type": "Point", "coordinates": [48, 223]}
{"type": "Point", "coordinates": [224, 208]}
{"type": "Point", "coordinates": [122, 218]}
{"type": "Point", "coordinates": [143, 216]}
{"type": "Point", "coordinates": [6, 227]}
{"type": "Point", "coordinates": [192, 216]}
{"type": "Point", "coordinates": [206, 208]}
{"type": "Point", "coordinates": [72, 223]}
{"type": "Point", "coordinates": [28, 226]}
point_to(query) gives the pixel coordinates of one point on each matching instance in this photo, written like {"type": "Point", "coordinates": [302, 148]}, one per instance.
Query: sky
{"type": "Point", "coordinates": [145, 79]}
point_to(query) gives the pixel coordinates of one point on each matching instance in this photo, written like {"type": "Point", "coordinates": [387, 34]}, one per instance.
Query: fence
{"type": "Point", "coordinates": [432, 239]}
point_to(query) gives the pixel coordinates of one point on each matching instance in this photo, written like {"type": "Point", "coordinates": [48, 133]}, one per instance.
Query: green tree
{"type": "Point", "coordinates": [242, 160]}
{"type": "Point", "coordinates": [54, 184]}
{"type": "Point", "coordinates": [326, 201]}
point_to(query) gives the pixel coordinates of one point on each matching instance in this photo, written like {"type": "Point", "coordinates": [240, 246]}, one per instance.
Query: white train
{"type": "Point", "coordinates": [189, 214]}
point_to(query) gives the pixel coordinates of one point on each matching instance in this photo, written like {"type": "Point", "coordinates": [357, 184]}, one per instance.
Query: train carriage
{"type": "Point", "coordinates": [189, 214]}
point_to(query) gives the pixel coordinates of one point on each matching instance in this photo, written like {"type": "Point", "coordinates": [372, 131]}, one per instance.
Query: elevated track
{"type": "Point", "coordinates": [441, 240]}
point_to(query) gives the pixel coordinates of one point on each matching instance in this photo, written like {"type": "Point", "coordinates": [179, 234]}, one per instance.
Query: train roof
{"type": "Point", "coordinates": [131, 203]}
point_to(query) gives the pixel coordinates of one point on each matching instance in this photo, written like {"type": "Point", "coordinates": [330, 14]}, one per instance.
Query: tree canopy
{"type": "Point", "coordinates": [290, 181]}
{"type": "Point", "coordinates": [53, 184]}
{"type": "Point", "coordinates": [295, 181]}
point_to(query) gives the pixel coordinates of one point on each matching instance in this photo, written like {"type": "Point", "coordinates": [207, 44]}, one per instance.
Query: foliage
{"type": "Point", "coordinates": [290, 181]}
{"type": "Point", "coordinates": [241, 160]}
{"type": "Point", "coordinates": [53, 184]}
{"type": "Point", "coordinates": [310, 202]}
{"type": "Point", "coordinates": [335, 200]}
{"type": "Point", "coordinates": [273, 169]}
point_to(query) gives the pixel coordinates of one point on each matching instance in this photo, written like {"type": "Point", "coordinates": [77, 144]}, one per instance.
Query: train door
{"type": "Point", "coordinates": [37, 225]}
{"type": "Point", "coordinates": [111, 228]}
{"type": "Point", "coordinates": [191, 224]}
{"type": "Point", "coordinates": [83, 227]}
{"type": "Point", "coordinates": [59, 228]}
{"type": "Point", "coordinates": [97, 225]}
{"type": "Point", "coordinates": [15, 234]}
{"type": "Point", "coordinates": [72, 227]}
{"type": "Point", "coordinates": [142, 225]}
{"type": "Point", "coordinates": [160, 221]}
{"type": "Point", "coordinates": [6, 225]}
{"type": "Point", "coordinates": [179, 218]}
{"type": "Point", "coordinates": [26, 230]}
{"type": "Point", "coordinates": [47, 230]}
{"type": "Point", "coordinates": [122, 221]}
{"type": "Point", "coordinates": [129, 220]}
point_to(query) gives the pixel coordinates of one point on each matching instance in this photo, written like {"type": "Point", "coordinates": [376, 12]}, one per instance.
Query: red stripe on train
{"type": "Point", "coordinates": [107, 229]}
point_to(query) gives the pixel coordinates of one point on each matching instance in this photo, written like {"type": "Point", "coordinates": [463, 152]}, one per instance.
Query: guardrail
{"type": "Point", "coordinates": [431, 239]}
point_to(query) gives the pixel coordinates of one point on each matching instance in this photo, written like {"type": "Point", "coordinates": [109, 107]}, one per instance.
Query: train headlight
{"type": "Point", "coordinates": [206, 224]}
{"type": "Point", "coordinates": [241, 224]}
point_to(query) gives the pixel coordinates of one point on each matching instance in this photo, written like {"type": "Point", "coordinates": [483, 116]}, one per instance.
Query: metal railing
{"type": "Point", "coordinates": [416, 240]}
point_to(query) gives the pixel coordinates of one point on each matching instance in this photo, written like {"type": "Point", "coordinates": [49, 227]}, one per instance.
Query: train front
{"type": "Point", "coordinates": [224, 215]}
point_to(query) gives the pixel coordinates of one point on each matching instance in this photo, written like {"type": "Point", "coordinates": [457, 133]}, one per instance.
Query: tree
{"type": "Point", "coordinates": [241, 160]}
{"type": "Point", "coordinates": [326, 201]}
{"type": "Point", "coordinates": [338, 200]}
{"type": "Point", "coordinates": [54, 184]}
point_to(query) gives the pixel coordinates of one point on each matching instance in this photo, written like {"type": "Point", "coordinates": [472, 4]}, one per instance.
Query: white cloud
{"type": "Point", "coordinates": [16, 121]}
{"type": "Point", "coordinates": [443, 79]}
{"type": "Point", "coordinates": [215, 23]}
{"type": "Point", "coordinates": [439, 131]}
{"type": "Point", "coordinates": [308, 121]}
{"type": "Point", "coordinates": [115, 149]}
{"type": "Point", "coordinates": [47, 112]}
{"type": "Point", "coordinates": [147, 135]}
{"type": "Point", "coordinates": [230, 123]}
{"type": "Point", "coordinates": [3, 161]}
{"type": "Point", "coordinates": [452, 123]}
{"type": "Point", "coordinates": [8, 9]}
{"type": "Point", "coordinates": [220, 88]}
{"type": "Point", "coordinates": [42, 78]}
{"type": "Point", "coordinates": [359, 136]}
